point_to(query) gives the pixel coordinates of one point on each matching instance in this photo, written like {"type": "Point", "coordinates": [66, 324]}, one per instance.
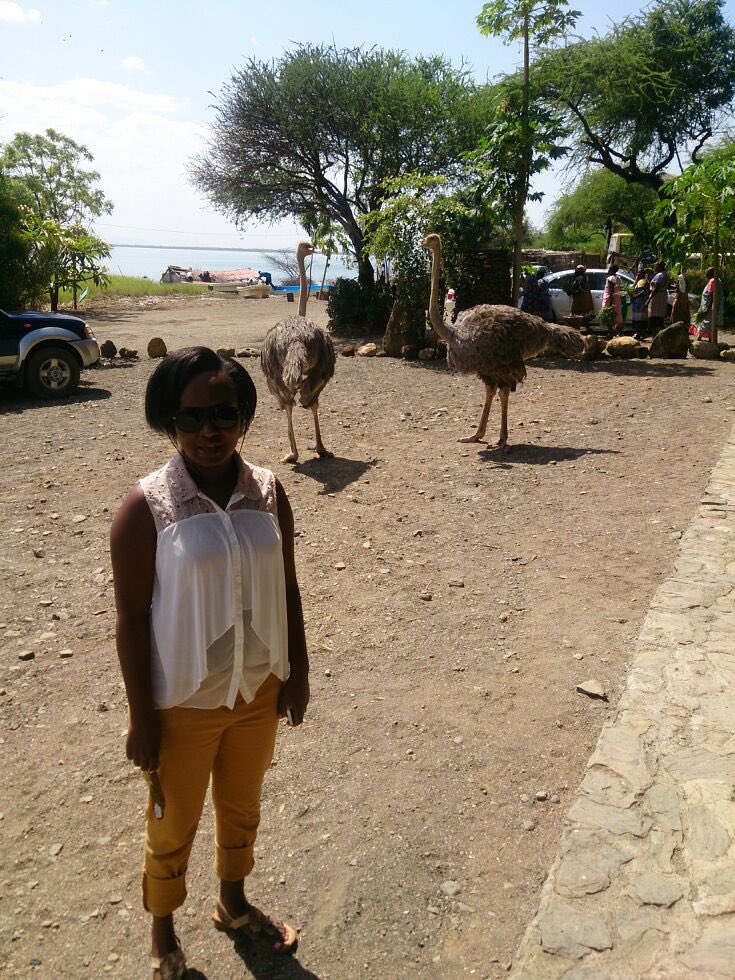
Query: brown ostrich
{"type": "Point", "coordinates": [298, 358]}
{"type": "Point", "coordinates": [494, 342]}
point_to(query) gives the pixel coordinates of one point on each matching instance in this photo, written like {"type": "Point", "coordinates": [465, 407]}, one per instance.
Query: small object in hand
{"type": "Point", "coordinates": [289, 716]}
{"type": "Point", "coordinates": [157, 797]}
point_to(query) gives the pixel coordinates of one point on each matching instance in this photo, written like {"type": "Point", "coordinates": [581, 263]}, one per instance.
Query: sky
{"type": "Point", "coordinates": [135, 81]}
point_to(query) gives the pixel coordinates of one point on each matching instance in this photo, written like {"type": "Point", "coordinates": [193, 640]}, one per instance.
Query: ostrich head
{"type": "Point", "coordinates": [433, 243]}
{"type": "Point", "coordinates": [303, 249]}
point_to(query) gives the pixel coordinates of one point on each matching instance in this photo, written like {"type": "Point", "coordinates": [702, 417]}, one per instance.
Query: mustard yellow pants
{"type": "Point", "coordinates": [234, 747]}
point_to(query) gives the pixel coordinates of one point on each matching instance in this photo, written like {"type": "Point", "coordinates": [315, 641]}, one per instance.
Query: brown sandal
{"type": "Point", "coordinates": [271, 935]}
{"type": "Point", "coordinates": [172, 966]}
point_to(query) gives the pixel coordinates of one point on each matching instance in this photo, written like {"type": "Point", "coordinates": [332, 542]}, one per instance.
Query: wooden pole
{"type": "Point", "coordinates": [323, 278]}
{"type": "Point", "coordinates": [716, 298]}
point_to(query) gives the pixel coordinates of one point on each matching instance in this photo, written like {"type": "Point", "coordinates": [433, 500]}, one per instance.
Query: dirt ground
{"type": "Point", "coordinates": [453, 597]}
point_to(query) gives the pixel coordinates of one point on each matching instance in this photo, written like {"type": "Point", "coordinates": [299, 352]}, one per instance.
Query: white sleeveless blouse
{"type": "Point", "coordinates": [218, 614]}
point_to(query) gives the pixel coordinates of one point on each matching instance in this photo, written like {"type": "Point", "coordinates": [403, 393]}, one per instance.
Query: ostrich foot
{"type": "Point", "coordinates": [500, 444]}
{"type": "Point", "coordinates": [291, 458]}
{"type": "Point", "coordinates": [324, 453]}
{"type": "Point", "coordinates": [474, 438]}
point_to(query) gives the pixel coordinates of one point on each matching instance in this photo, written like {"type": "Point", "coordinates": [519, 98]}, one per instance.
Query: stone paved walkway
{"type": "Point", "coordinates": [644, 883]}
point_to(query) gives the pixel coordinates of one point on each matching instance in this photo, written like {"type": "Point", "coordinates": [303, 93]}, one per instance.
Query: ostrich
{"type": "Point", "coordinates": [494, 342]}
{"type": "Point", "coordinates": [298, 356]}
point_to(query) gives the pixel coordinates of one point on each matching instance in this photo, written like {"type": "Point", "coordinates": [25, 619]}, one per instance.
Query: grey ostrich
{"type": "Point", "coordinates": [298, 358]}
{"type": "Point", "coordinates": [494, 342]}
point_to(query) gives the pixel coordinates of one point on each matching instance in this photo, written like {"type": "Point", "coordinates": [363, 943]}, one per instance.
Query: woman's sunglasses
{"type": "Point", "coordinates": [194, 419]}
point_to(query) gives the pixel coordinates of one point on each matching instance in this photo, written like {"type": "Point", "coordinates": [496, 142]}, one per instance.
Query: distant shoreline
{"type": "Point", "coordinates": [194, 248]}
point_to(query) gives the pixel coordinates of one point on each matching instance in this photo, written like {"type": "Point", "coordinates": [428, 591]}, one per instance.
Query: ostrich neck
{"type": "Point", "coordinates": [437, 321]}
{"type": "Point", "coordinates": [302, 287]}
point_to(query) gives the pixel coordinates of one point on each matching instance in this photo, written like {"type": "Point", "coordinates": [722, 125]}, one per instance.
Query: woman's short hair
{"type": "Point", "coordinates": [613, 269]}
{"type": "Point", "coordinates": [580, 269]}
{"type": "Point", "coordinates": [177, 369]}
{"type": "Point", "coordinates": [710, 272]}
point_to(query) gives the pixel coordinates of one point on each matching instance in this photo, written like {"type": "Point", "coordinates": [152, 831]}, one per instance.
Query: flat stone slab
{"type": "Point", "coordinates": [566, 931]}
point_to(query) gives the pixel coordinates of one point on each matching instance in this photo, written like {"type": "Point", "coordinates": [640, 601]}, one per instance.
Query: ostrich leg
{"type": "Point", "coordinates": [320, 447]}
{"type": "Point", "coordinates": [504, 394]}
{"type": "Point", "coordinates": [293, 456]}
{"type": "Point", "coordinates": [478, 436]}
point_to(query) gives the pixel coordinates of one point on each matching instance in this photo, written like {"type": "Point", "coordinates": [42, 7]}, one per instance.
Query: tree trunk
{"type": "Point", "coordinates": [524, 171]}
{"type": "Point", "coordinates": [365, 271]}
{"type": "Point", "coordinates": [716, 297]}
{"type": "Point", "coordinates": [53, 293]}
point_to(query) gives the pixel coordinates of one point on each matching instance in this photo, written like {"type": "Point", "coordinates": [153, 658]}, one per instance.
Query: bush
{"type": "Point", "coordinates": [357, 309]}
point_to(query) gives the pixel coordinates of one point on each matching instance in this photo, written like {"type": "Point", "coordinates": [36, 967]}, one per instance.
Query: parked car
{"type": "Point", "coordinates": [45, 352]}
{"type": "Point", "coordinates": [561, 282]}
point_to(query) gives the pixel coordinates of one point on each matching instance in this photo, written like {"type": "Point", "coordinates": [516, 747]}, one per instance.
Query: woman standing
{"type": "Point", "coordinates": [210, 638]}
{"type": "Point", "coordinates": [639, 308]}
{"type": "Point", "coordinates": [611, 295]}
{"type": "Point", "coordinates": [680, 311]}
{"type": "Point", "coordinates": [582, 302]}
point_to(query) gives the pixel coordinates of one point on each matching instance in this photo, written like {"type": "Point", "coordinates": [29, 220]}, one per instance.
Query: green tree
{"type": "Point", "coordinates": [21, 283]}
{"type": "Point", "coordinates": [62, 199]}
{"type": "Point", "coordinates": [638, 97]}
{"type": "Point", "coordinates": [700, 208]}
{"type": "Point", "coordinates": [584, 216]}
{"type": "Point", "coordinates": [414, 207]}
{"type": "Point", "coordinates": [514, 137]}
{"type": "Point", "coordinates": [321, 129]}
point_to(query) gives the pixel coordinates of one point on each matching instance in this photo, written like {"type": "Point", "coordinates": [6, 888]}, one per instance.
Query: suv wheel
{"type": "Point", "coordinates": [52, 372]}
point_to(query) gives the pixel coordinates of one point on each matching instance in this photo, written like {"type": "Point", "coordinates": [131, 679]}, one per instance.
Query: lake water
{"type": "Point", "coordinates": [136, 260]}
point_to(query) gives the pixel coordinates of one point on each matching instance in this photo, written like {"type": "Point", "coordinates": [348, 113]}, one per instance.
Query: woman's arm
{"type": "Point", "coordinates": [295, 691]}
{"type": "Point", "coordinates": [133, 554]}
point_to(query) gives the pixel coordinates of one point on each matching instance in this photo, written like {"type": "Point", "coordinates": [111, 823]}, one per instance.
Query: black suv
{"type": "Point", "coordinates": [44, 352]}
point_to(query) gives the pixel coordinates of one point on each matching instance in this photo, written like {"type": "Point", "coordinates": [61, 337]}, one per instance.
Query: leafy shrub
{"type": "Point", "coordinates": [357, 309]}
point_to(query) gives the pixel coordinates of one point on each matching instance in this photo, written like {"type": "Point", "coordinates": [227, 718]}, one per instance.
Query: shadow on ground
{"type": "Point", "coordinates": [14, 400]}
{"type": "Point", "coordinates": [520, 452]}
{"type": "Point", "coordinates": [635, 367]}
{"type": "Point", "coordinates": [336, 473]}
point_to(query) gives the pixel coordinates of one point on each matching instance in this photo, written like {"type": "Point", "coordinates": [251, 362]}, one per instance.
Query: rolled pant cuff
{"type": "Point", "coordinates": [162, 896]}
{"type": "Point", "coordinates": [233, 863]}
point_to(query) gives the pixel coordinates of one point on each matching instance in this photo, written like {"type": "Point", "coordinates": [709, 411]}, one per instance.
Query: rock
{"type": "Point", "coordinates": [568, 932]}
{"type": "Point", "coordinates": [26, 655]}
{"type": "Point", "coordinates": [340, 566]}
{"type": "Point", "coordinates": [426, 596]}
{"type": "Point", "coordinates": [708, 837]}
{"type": "Point", "coordinates": [427, 354]}
{"type": "Point", "coordinates": [409, 352]}
{"type": "Point", "coordinates": [367, 350]}
{"type": "Point", "coordinates": [658, 889]}
{"type": "Point", "coordinates": [706, 351]}
{"type": "Point", "coordinates": [593, 689]}
{"type": "Point", "coordinates": [226, 351]}
{"type": "Point", "coordinates": [672, 341]}
{"type": "Point", "coordinates": [450, 888]}
{"type": "Point", "coordinates": [79, 519]}
{"type": "Point", "coordinates": [156, 347]}
{"type": "Point", "coordinates": [108, 349]}
{"type": "Point", "coordinates": [622, 347]}
{"type": "Point", "coordinates": [456, 583]}
{"type": "Point", "coordinates": [542, 796]}
{"type": "Point", "coordinates": [555, 798]}
{"type": "Point", "coordinates": [528, 825]}
{"type": "Point", "coordinates": [55, 850]}
{"type": "Point", "coordinates": [66, 653]}
{"type": "Point", "coordinates": [127, 354]}
{"type": "Point", "coordinates": [594, 347]}
{"type": "Point", "coordinates": [587, 864]}
{"type": "Point", "coordinates": [727, 355]}
{"type": "Point", "coordinates": [248, 352]}
{"type": "Point", "coordinates": [348, 350]}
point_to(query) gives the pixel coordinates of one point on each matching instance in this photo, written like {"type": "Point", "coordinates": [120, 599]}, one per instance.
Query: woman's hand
{"type": "Point", "coordinates": [143, 743]}
{"type": "Point", "coordinates": [294, 694]}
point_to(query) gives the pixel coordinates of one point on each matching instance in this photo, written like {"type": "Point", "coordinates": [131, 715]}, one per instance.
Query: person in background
{"type": "Point", "coordinates": [658, 299]}
{"type": "Point", "coordinates": [706, 304]}
{"type": "Point", "coordinates": [639, 308]}
{"type": "Point", "coordinates": [536, 298]}
{"type": "Point", "coordinates": [581, 294]}
{"type": "Point", "coordinates": [210, 638]}
{"type": "Point", "coordinates": [680, 311]}
{"type": "Point", "coordinates": [544, 296]}
{"type": "Point", "coordinates": [611, 295]}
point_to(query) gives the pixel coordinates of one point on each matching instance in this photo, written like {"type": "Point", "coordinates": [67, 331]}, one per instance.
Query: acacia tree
{"type": "Point", "coordinates": [656, 84]}
{"type": "Point", "coordinates": [61, 198]}
{"type": "Point", "coordinates": [517, 132]}
{"type": "Point", "coordinates": [701, 204]}
{"type": "Point", "coordinates": [599, 201]}
{"type": "Point", "coordinates": [320, 130]}
{"type": "Point", "coordinates": [21, 283]}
